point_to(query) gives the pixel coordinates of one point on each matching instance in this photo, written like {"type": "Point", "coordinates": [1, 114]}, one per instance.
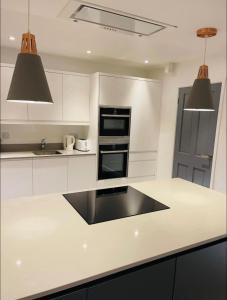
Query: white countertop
{"type": "Point", "coordinates": [30, 154]}
{"type": "Point", "coordinates": [47, 246]}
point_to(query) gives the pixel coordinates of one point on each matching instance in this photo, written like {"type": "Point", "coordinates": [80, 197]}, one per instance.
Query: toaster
{"type": "Point", "coordinates": [82, 145]}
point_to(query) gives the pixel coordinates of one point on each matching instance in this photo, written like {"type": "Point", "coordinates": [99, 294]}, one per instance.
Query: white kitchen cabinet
{"type": "Point", "coordinates": [145, 119]}
{"type": "Point", "coordinates": [49, 112]}
{"type": "Point", "coordinates": [49, 175]}
{"type": "Point", "coordinates": [16, 178]}
{"type": "Point", "coordinates": [116, 91]}
{"type": "Point", "coordinates": [144, 97]}
{"type": "Point", "coordinates": [82, 173]}
{"type": "Point", "coordinates": [142, 168]}
{"type": "Point", "coordinates": [76, 98]}
{"type": "Point", "coordinates": [10, 111]}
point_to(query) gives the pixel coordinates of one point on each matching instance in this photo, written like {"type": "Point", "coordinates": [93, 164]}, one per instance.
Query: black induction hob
{"type": "Point", "coordinates": [114, 203]}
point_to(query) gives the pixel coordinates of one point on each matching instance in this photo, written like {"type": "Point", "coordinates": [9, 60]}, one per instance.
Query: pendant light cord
{"type": "Point", "coordinates": [28, 15]}
{"type": "Point", "coordinates": [205, 50]}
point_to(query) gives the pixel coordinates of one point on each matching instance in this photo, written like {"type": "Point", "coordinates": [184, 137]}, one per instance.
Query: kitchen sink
{"type": "Point", "coordinates": [46, 152]}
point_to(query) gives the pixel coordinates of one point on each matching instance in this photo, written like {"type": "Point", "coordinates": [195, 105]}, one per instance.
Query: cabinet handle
{"type": "Point", "coordinates": [115, 116]}
{"type": "Point", "coordinates": [114, 151]}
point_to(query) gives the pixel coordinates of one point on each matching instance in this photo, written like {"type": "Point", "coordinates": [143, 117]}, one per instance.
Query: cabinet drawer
{"type": "Point", "coordinates": [142, 168]}
{"type": "Point", "coordinates": [139, 156]}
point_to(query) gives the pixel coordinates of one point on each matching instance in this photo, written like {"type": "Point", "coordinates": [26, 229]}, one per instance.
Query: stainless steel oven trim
{"type": "Point", "coordinates": [113, 151]}
{"type": "Point", "coordinates": [115, 116]}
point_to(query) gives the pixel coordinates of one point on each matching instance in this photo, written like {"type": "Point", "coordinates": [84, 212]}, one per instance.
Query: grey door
{"type": "Point", "coordinates": [194, 141]}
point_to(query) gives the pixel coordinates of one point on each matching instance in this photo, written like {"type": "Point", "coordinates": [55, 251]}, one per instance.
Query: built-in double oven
{"type": "Point", "coordinates": [114, 136]}
{"type": "Point", "coordinates": [114, 122]}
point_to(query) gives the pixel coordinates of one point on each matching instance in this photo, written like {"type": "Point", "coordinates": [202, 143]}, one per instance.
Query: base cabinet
{"type": "Point", "coordinates": [49, 175]}
{"type": "Point", "coordinates": [153, 282]}
{"type": "Point", "coordinates": [16, 178]}
{"type": "Point", "coordinates": [81, 173]}
{"type": "Point", "coordinates": [77, 295]}
{"type": "Point", "coordinates": [196, 275]}
{"type": "Point", "coordinates": [202, 274]}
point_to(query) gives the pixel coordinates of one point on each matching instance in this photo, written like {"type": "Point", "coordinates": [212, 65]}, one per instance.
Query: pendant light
{"type": "Point", "coordinates": [29, 83]}
{"type": "Point", "coordinates": [200, 98]}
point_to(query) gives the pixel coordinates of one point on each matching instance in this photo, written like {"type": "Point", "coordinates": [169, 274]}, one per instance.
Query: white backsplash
{"type": "Point", "coordinates": [29, 134]}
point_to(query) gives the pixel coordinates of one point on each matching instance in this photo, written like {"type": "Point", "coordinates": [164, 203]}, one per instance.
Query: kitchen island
{"type": "Point", "coordinates": [48, 250]}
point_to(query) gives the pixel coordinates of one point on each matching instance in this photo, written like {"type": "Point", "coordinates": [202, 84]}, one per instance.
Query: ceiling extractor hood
{"type": "Point", "coordinates": [110, 19]}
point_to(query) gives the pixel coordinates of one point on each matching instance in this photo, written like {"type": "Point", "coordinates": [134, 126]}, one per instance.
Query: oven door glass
{"type": "Point", "coordinates": [113, 165]}
{"type": "Point", "coordinates": [114, 126]}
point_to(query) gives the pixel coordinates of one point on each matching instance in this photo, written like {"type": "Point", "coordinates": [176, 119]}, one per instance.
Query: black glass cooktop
{"type": "Point", "coordinates": [113, 203]}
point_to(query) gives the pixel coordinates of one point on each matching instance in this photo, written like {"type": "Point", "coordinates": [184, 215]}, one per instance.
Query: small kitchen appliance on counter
{"type": "Point", "coordinates": [82, 145]}
{"type": "Point", "coordinates": [69, 142]}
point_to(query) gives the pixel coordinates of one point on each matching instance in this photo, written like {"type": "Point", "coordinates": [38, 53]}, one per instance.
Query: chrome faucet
{"type": "Point", "coordinates": [43, 144]}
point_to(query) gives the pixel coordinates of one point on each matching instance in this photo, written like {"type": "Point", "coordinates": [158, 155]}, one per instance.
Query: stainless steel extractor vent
{"type": "Point", "coordinates": [112, 20]}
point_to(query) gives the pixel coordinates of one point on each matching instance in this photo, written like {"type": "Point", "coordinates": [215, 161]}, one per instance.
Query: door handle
{"type": "Point", "coordinates": [205, 156]}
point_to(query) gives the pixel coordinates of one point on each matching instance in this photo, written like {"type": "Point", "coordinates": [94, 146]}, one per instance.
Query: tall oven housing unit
{"type": "Point", "coordinates": [114, 137]}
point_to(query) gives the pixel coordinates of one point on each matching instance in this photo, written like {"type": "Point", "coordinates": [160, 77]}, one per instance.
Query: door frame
{"type": "Point", "coordinates": [219, 117]}
{"type": "Point", "coordinates": [220, 110]}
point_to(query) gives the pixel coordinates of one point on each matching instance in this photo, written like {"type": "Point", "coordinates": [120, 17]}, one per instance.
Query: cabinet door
{"type": "Point", "coordinates": [49, 175]}
{"type": "Point", "coordinates": [16, 178]}
{"type": "Point", "coordinates": [82, 173]}
{"type": "Point", "coordinates": [153, 282]}
{"type": "Point", "coordinates": [144, 96]}
{"type": "Point", "coordinates": [202, 274]}
{"type": "Point", "coordinates": [10, 111]}
{"type": "Point", "coordinates": [76, 98]}
{"type": "Point", "coordinates": [49, 112]}
{"type": "Point", "coordinates": [77, 295]}
{"type": "Point", "coordinates": [145, 120]}
{"type": "Point", "coordinates": [116, 91]}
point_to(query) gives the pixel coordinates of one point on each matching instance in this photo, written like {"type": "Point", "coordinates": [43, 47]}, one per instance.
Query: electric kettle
{"type": "Point", "coordinates": [69, 142]}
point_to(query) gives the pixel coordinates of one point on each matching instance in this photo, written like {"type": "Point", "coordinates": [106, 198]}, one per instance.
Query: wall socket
{"type": "Point", "coordinates": [5, 135]}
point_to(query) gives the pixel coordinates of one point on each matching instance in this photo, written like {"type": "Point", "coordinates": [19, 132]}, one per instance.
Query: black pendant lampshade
{"type": "Point", "coordinates": [200, 98]}
{"type": "Point", "coordinates": [29, 83]}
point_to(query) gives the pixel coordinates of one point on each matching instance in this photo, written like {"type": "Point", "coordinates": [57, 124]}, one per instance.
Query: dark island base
{"type": "Point", "coordinates": [197, 274]}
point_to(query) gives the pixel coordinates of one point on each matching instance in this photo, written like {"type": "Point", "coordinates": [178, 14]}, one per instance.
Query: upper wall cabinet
{"type": "Point", "coordinates": [10, 111]}
{"type": "Point", "coordinates": [144, 97]}
{"type": "Point", "coordinates": [116, 91]}
{"type": "Point", "coordinates": [49, 112]}
{"type": "Point", "coordinates": [76, 93]}
{"type": "Point", "coordinates": [70, 93]}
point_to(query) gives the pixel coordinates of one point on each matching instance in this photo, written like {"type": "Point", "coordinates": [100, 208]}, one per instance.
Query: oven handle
{"type": "Point", "coordinates": [113, 151]}
{"type": "Point", "coordinates": [115, 116]}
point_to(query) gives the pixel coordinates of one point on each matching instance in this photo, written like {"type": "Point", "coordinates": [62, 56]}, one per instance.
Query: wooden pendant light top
{"type": "Point", "coordinates": [28, 44]}
{"type": "Point", "coordinates": [203, 72]}
{"type": "Point", "coordinates": [206, 32]}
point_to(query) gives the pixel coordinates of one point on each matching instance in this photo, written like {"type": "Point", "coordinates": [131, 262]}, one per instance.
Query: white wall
{"type": "Point", "coordinates": [182, 76]}
{"type": "Point", "coordinates": [29, 134]}
{"type": "Point", "coordinates": [9, 55]}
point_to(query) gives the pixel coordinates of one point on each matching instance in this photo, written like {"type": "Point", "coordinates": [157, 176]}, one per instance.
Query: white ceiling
{"type": "Point", "coordinates": [55, 35]}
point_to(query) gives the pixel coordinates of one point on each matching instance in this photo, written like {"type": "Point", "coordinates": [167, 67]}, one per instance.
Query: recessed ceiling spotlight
{"type": "Point", "coordinates": [12, 38]}
{"type": "Point", "coordinates": [88, 51]}
{"type": "Point", "coordinates": [146, 61]}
